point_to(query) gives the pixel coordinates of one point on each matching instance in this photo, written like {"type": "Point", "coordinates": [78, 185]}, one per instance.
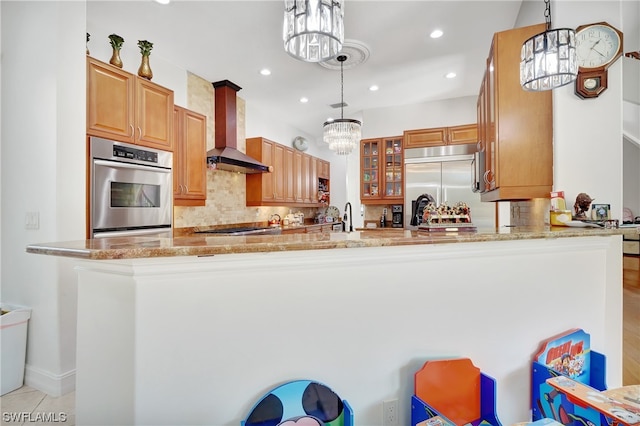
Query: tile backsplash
{"type": "Point", "coordinates": [530, 212]}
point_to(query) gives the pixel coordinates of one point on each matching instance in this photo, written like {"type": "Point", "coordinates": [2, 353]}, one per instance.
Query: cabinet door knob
{"type": "Point", "coordinates": [139, 133]}
{"type": "Point", "coordinates": [132, 134]}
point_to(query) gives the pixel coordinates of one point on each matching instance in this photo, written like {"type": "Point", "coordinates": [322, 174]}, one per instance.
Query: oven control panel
{"type": "Point", "coordinates": [120, 151]}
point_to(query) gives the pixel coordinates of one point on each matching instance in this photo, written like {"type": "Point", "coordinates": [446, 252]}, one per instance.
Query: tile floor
{"type": "Point", "coordinates": [27, 406]}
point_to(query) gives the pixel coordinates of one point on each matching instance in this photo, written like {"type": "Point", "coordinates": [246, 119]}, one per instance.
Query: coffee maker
{"type": "Point", "coordinates": [396, 216]}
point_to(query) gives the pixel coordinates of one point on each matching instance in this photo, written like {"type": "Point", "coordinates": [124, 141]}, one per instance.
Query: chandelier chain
{"type": "Point", "coordinates": [341, 90]}
{"type": "Point", "coordinates": [547, 13]}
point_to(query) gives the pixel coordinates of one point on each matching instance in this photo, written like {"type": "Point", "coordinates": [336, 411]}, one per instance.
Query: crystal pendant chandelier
{"type": "Point", "coordinates": [342, 134]}
{"type": "Point", "coordinates": [313, 30]}
{"type": "Point", "coordinates": [548, 60]}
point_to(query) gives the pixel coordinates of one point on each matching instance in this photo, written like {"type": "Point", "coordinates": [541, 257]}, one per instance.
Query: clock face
{"type": "Point", "coordinates": [300, 143]}
{"type": "Point", "coordinates": [597, 45]}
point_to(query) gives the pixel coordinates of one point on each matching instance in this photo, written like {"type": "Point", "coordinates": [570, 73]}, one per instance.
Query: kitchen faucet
{"type": "Point", "coordinates": [344, 218]}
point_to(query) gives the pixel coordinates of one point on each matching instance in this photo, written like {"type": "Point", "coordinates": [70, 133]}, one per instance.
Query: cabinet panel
{"type": "Point", "coordinates": [439, 136]}
{"type": "Point", "coordinates": [289, 191]}
{"type": "Point", "coordinates": [189, 158]}
{"type": "Point", "coordinates": [463, 134]}
{"type": "Point", "coordinates": [154, 111]}
{"type": "Point", "coordinates": [519, 126]}
{"type": "Point", "coordinates": [110, 101]}
{"type": "Point", "coordinates": [306, 179]}
{"type": "Point", "coordinates": [279, 173]}
{"type": "Point", "coordinates": [261, 187]}
{"type": "Point", "coordinates": [393, 169]}
{"type": "Point", "coordinates": [381, 170]}
{"type": "Point", "coordinates": [324, 169]}
{"type": "Point", "coordinates": [369, 169]}
{"type": "Point", "coordinates": [425, 137]}
{"type": "Point", "coordinates": [123, 107]}
{"type": "Point", "coordinates": [297, 177]}
{"type": "Point", "coordinates": [294, 180]}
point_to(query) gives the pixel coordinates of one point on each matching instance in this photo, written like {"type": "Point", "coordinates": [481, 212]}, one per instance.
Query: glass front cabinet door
{"type": "Point", "coordinates": [370, 169]}
{"type": "Point", "coordinates": [381, 170]}
{"type": "Point", "coordinates": [393, 180]}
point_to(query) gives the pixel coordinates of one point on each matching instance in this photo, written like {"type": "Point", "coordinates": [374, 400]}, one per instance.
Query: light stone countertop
{"type": "Point", "coordinates": [207, 245]}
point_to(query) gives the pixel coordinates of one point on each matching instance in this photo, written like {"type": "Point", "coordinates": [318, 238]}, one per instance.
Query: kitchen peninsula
{"type": "Point", "coordinates": [193, 330]}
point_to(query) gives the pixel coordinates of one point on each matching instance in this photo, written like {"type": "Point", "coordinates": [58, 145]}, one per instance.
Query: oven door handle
{"type": "Point", "coordinates": [133, 232]}
{"type": "Point", "coordinates": [119, 165]}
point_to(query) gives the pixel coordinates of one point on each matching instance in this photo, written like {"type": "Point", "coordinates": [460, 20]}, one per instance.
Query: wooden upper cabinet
{"type": "Point", "coordinates": [440, 136]}
{"type": "Point", "coordinates": [324, 168]}
{"type": "Point", "coordinates": [518, 125]}
{"type": "Point", "coordinates": [279, 174]}
{"type": "Point", "coordinates": [381, 170]}
{"type": "Point", "coordinates": [294, 181]}
{"type": "Point", "coordinates": [370, 169]}
{"type": "Point", "coordinates": [309, 175]}
{"type": "Point", "coordinates": [123, 107]}
{"type": "Point", "coordinates": [154, 112]}
{"type": "Point", "coordinates": [262, 187]}
{"type": "Point", "coordinates": [425, 137]}
{"type": "Point", "coordinates": [289, 190]}
{"type": "Point", "coordinates": [189, 158]}
{"type": "Point", "coordinates": [298, 193]}
{"type": "Point", "coordinates": [459, 135]}
{"type": "Point", "coordinates": [110, 101]}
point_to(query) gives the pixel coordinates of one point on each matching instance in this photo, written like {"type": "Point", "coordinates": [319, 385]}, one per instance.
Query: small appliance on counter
{"type": "Point", "coordinates": [383, 218]}
{"type": "Point", "coordinates": [274, 220]}
{"type": "Point", "coordinates": [396, 216]}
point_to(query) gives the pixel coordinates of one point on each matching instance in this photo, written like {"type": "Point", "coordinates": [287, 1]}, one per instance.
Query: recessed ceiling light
{"type": "Point", "coordinates": [304, 100]}
{"type": "Point", "coordinates": [436, 34]}
{"type": "Point", "coordinates": [450, 75]}
{"type": "Point", "coordinates": [162, 1]}
{"type": "Point", "coordinates": [265, 71]}
{"type": "Point", "coordinates": [373, 88]}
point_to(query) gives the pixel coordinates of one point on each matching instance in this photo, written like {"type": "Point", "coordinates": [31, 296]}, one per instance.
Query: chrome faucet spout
{"type": "Point", "coordinates": [350, 216]}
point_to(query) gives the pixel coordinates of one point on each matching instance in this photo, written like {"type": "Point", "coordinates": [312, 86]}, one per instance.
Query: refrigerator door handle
{"type": "Point", "coordinates": [474, 175]}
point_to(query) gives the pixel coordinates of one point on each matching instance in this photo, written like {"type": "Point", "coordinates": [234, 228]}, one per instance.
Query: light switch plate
{"type": "Point", "coordinates": [32, 220]}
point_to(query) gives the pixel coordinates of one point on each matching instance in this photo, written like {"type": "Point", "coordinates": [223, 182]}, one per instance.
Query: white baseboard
{"type": "Point", "coordinates": [51, 384]}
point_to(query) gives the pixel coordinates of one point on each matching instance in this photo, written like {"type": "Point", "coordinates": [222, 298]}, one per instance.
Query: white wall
{"type": "Point", "coordinates": [631, 188]}
{"type": "Point", "coordinates": [43, 146]}
{"type": "Point", "coordinates": [587, 133]}
{"type": "Point", "coordinates": [631, 12]}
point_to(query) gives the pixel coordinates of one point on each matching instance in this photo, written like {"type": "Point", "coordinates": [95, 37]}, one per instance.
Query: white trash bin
{"type": "Point", "coordinates": [13, 344]}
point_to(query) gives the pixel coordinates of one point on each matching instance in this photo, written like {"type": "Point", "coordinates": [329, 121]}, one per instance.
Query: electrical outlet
{"type": "Point", "coordinates": [390, 412]}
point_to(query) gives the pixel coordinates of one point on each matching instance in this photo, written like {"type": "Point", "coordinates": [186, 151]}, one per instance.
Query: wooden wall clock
{"type": "Point", "coordinates": [598, 45]}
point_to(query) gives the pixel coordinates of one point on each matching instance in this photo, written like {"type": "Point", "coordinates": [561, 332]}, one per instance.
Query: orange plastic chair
{"type": "Point", "coordinates": [454, 389]}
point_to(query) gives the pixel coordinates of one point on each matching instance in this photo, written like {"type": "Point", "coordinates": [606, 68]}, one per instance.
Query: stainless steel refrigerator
{"type": "Point", "coordinates": [447, 174]}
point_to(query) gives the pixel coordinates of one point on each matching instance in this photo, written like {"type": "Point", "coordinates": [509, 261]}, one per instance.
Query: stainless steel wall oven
{"type": "Point", "coordinates": [131, 189]}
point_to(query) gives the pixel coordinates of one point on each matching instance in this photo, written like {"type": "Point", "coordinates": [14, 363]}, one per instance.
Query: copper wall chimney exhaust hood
{"type": "Point", "coordinates": [225, 155]}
